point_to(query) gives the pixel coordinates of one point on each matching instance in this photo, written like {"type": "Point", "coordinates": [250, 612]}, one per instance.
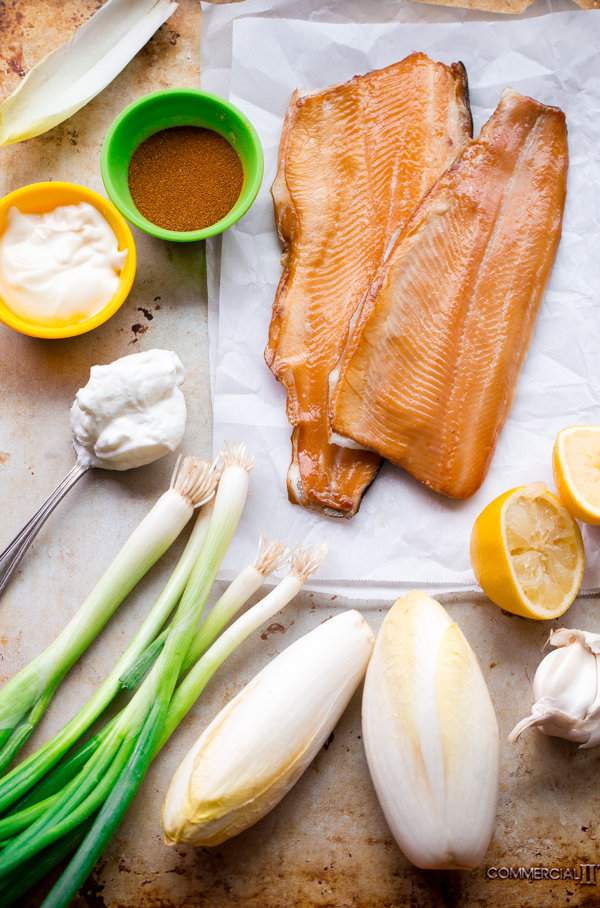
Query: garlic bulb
{"type": "Point", "coordinates": [566, 690]}
{"type": "Point", "coordinates": [431, 737]}
{"type": "Point", "coordinates": [261, 742]}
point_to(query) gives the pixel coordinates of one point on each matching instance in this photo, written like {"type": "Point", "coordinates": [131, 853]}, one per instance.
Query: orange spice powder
{"type": "Point", "coordinates": [185, 178]}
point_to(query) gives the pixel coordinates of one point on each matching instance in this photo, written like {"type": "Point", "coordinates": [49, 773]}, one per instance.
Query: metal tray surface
{"type": "Point", "coordinates": [327, 843]}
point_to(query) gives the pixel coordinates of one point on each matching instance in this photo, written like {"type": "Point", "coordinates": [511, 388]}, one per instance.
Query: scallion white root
{"type": "Point", "coordinates": [271, 557]}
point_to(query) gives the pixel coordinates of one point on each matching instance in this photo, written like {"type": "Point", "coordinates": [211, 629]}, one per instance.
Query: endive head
{"type": "Point", "coordinates": [566, 690]}
{"type": "Point", "coordinates": [262, 741]}
{"type": "Point", "coordinates": [431, 737]}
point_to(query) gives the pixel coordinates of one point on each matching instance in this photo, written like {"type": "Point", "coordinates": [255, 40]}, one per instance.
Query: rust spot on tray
{"type": "Point", "coordinates": [31, 31]}
{"type": "Point", "coordinates": [4, 456]}
{"type": "Point", "coordinates": [232, 690]}
{"type": "Point", "coordinates": [15, 63]}
{"type": "Point", "coordinates": [92, 892]}
{"type": "Point", "coordinates": [9, 649]}
{"type": "Point", "coordinates": [272, 629]}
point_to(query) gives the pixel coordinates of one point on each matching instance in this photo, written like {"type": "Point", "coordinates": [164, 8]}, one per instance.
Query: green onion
{"type": "Point", "coordinates": [271, 556]}
{"type": "Point", "coordinates": [113, 772]}
{"type": "Point", "coordinates": [24, 699]}
{"type": "Point", "coordinates": [102, 777]}
{"type": "Point", "coordinates": [22, 777]}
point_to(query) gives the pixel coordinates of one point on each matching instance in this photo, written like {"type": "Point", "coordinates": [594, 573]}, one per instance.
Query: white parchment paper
{"type": "Point", "coordinates": [405, 535]}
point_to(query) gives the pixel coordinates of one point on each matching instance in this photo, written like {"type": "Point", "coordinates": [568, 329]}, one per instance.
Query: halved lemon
{"type": "Point", "coordinates": [576, 464]}
{"type": "Point", "coordinates": [527, 553]}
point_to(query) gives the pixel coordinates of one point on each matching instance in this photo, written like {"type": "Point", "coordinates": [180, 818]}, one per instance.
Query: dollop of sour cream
{"type": "Point", "coordinates": [61, 267]}
{"type": "Point", "coordinates": [131, 412]}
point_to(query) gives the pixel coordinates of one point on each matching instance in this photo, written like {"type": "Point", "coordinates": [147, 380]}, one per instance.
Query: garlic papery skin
{"type": "Point", "coordinates": [261, 742]}
{"type": "Point", "coordinates": [431, 737]}
{"type": "Point", "coordinates": [566, 690]}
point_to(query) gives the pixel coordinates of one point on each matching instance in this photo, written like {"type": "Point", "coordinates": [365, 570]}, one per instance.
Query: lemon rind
{"type": "Point", "coordinates": [572, 487]}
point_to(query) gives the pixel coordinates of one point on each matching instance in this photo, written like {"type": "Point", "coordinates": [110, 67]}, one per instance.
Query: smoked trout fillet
{"type": "Point", "coordinates": [354, 161]}
{"type": "Point", "coordinates": [431, 366]}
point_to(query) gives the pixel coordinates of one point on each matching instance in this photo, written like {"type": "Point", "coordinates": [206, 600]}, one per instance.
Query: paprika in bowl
{"type": "Point", "coordinates": [182, 164]}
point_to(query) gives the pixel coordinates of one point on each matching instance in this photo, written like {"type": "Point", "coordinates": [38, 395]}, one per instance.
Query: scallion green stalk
{"type": "Point", "coordinates": [16, 884]}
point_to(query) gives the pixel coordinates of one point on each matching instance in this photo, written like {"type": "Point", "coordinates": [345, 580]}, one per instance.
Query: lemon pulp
{"type": "Point", "coordinates": [527, 553]}
{"type": "Point", "coordinates": [542, 548]}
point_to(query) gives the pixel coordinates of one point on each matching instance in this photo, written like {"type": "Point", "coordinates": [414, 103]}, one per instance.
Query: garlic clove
{"type": "Point", "coordinates": [566, 678]}
{"type": "Point", "coordinates": [566, 689]}
{"type": "Point", "coordinates": [565, 636]}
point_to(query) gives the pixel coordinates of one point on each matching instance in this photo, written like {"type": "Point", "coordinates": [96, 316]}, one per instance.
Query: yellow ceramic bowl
{"type": "Point", "coordinates": [40, 198]}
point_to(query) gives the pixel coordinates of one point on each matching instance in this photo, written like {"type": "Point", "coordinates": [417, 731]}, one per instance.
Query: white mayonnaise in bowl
{"type": "Point", "coordinates": [63, 258]}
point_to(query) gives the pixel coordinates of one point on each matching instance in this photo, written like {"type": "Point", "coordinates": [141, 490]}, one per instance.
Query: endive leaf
{"type": "Point", "coordinates": [70, 76]}
{"type": "Point", "coordinates": [469, 736]}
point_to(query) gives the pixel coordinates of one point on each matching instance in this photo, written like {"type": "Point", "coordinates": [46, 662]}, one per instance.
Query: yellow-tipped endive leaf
{"type": "Point", "coordinates": [70, 76]}
{"type": "Point", "coordinates": [431, 737]}
{"type": "Point", "coordinates": [262, 741]}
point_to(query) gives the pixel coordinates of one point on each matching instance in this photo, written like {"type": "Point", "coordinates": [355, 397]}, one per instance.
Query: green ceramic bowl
{"type": "Point", "coordinates": [179, 107]}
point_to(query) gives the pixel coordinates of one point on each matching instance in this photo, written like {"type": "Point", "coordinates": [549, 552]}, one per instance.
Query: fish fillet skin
{"type": "Point", "coordinates": [430, 372]}
{"type": "Point", "coordinates": [354, 161]}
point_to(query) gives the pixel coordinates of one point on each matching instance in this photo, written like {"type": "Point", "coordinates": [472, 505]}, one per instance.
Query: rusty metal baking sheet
{"type": "Point", "coordinates": [327, 843]}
